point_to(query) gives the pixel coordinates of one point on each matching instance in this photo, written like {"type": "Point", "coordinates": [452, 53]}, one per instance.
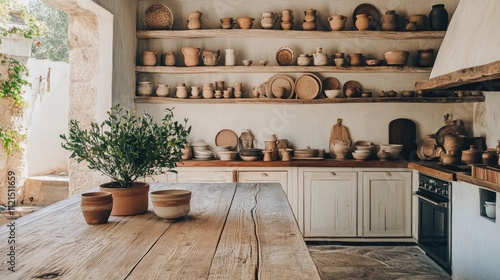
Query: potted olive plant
{"type": "Point", "coordinates": [126, 147]}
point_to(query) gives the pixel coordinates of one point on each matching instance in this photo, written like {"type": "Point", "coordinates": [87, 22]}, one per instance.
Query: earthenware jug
{"type": "Point", "coordinates": [363, 21]}
{"type": "Point", "coordinates": [162, 90]}
{"type": "Point", "coordinates": [227, 23]}
{"type": "Point", "coordinates": [438, 18]}
{"type": "Point", "coordinates": [420, 21]}
{"type": "Point", "coordinates": [230, 57]}
{"type": "Point", "coordinates": [310, 15]}
{"type": "Point", "coordinates": [337, 22]}
{"type": "Point", "coordinates": [194, 20]}
{"type": "Point", "coordinates": [169, 58]}
{"type": "Point", "coordinates": [144, 88]}
{"type": "Point", "coordinates": [148, 58]}
{"type": "Point", "coordinates": [320, 58]}
{"type": "Point", "coordinates": [425, 58]}
{"type": "Point", "coordinates": [390, 21]}
{"type": "Point", "coordinates": [268, 20]}
{"type": "Point", "coordinates": [210, 58]}
{"type": "Point", "coordinates": [286, 15]}
{"type": "Point", "coordinates": [303, 60]}
{"type": "Point", "coordinates": [191, 56]}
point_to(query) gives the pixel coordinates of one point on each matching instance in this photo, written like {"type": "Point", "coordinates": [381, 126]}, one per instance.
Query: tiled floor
{"type": "Point", "coordinates": [374, 262]}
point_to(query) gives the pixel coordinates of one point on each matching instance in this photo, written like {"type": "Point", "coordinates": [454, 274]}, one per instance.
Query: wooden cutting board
{"type": "Point", "coordinates": [340, 133]}
{"type": "Point", "coordinates": [403, 131]}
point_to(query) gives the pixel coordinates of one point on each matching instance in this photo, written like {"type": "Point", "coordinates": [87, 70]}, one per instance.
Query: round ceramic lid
{"type": "Point", "coordinates": [284, 56]}
{"type": "Point", "coordinates": [226, 137]}
{"type": "Point", "coordinates": [307, 87]}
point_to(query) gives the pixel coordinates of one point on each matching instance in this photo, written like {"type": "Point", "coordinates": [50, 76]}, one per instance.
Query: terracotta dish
{"type": "Point", "coordinates": [396, 58]}
{"type": "Point", "coordinates": [331, 83]}
{"type": "Point", "coordinates": [308, 86]}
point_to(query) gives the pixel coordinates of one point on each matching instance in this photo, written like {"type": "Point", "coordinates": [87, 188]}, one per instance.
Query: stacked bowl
{"type": "Point", "coordinates": [393, 149]}
{"type": "Point", "coordinates": [251, 154]}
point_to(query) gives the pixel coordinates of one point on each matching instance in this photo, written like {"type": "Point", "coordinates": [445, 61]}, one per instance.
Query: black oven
{"type": "Point", "coordinates": [434, 219]}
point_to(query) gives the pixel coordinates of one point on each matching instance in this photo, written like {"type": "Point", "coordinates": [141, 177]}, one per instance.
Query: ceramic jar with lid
{"type": "Point", "coordinates": [181, 91]}
{"type": "Point", "coordinates": [390, 21]}
{"type": "Point", "coordinates": [144, 88]}
{"type": "Point", "coordinates": [162, 90]}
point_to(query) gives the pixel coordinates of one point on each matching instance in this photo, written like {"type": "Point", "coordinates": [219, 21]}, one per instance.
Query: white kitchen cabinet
{"type": "Point", "coordinates": [386, 204]}
{"type": "Point", "coordinates": [330, 202]}
{"type": "Point", "coordinates": [204, 175]}
{"type": "Point", "coordinates": [264, 177]}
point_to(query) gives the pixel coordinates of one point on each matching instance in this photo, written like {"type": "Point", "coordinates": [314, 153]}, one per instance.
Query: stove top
{"type": "Point", "coordinates": [433, 186]}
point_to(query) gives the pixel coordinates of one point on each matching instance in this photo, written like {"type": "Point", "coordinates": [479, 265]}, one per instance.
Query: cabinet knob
{"type": "Point", "coordinates": [334, 174]}
{"type": "Point", "coordinates": [264, 175]}
{"type": "Point", "coordinates": [388, 174]}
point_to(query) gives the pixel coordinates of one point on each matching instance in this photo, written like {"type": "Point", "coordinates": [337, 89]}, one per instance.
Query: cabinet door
{"type": "Point", "coordinates": [204, 177]}
{"type": "Point", "coordinates": [330, 203]}
{"type": "Point", "coordinates": [162, 178]}
{"type": "Point", "coordinates": [264, 177]}
{"type": "Point", "coordinates": [387, 204]}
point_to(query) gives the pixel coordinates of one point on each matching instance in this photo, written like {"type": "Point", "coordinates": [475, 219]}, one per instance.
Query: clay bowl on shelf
{"type": "Point", "coordinates": [361, 154]}
{"type": "Point", "coordinates": [393, 149]}
{"type": "Point", "coordinates": [250, 152]}
{"type": "Point", "coordinates": [396, 58]}
{"type": "Point", "coordinates": [332, 93]}
{"type": "Point", "coordinates": [171, 204]}
{"type": "Point", "coordinates": [373, 62]}
{"type": "Point", "coordinates": [227, 155]}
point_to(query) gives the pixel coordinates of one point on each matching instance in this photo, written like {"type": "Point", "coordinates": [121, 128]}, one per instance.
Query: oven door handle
{"type": "Point", "coordinates": [440, 204]}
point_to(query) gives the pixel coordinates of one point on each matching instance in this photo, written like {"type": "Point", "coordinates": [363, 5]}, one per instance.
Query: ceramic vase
{"type": "Point", "coordinates": [148, 58]}
{"type": "Point", "coordinates": [191, 56]}
{"type": "Point", "coordinates": [194, 20]}
{"type": "Point", "coordinates": [96, 207]}
{"type": "Point", "coordinates": [169, 58]}
{"type": "Point", "coordinates": [390, 21]}
{"type": "Point", "coordinates": [128, 201]}
{"type": "Point", "coordinates": [162, 90]}
{"type": "Point", "coordinates": [363, 22]}
{"type": "Point", "coordinates": [230, 57]}
{"type": "Point", "coordinates": [337, 22]}
{"type": "Point", "coordinates": [438, 18]}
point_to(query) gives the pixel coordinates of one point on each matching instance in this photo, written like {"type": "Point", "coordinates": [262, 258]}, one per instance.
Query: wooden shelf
{"type": "Point", "coordinates": [167, 100]}
{"type": "Point", "coordinates": [295, 34]}
{"type": "Point", "coordinates": [279, 69]}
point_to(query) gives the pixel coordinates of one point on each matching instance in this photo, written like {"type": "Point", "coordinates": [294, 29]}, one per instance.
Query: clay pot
{"type": "Point", "coordinates": [303, 60]}
{"type": "Point", "coordinates": [453, 143]}
{"type": "Point", "coordinates": [171, 204]}
{"type": "Point", "coordinates": [438, 18]}
{"type": "Point", "coordinates": [420, 22]}
{"type": "Point", "coordinates": [96, 207]}
{"type": "Point", "coordinates": [162, 90]}
{"type": "Point", "coordinates": [227, 23]}
{"type": "Point", "coordinates": [128, 201]}
{"type": "Point", "coordinates": [363, 21]}
{"type": "Point", "coordinates": [268, 20]}
{"type": "Point", "coordinates": [425, 58]}
{"type": "Point", "coordinates": [148, 58]}
{"type": "Point", "coordinates": [169, 58]}
{"type": "Point", "coordinates": [490, 157]}
{"type": "Point", "coordinates": [397, 58]}
{"type": "Point", "coordinates": [207, 91]}
{"type": "Point", "coordinates": [390, 21]}
{"type": "Point", "coordinates": [191, 56]}
{"type": "Point", "coordinates": [472, 156]}
{"type": "Point", "coordinates": [245, 22]}
{"type": "Point", "coordinates": [286, 15]}
{"type": "Point", "coordinates": [340, 149]}
{"type": "Point", "coordinates": [194, 20]}
{"type": "Point", "coordinates": [210, 58]}
{"type": "Point", "coordinates": [309, 25]}
{"type": "Point", "coordinates": [337, 22]}
{"type": "Point", "coordinates": [356, 59]}
{"type": "Point", "coordinates": [144, 88]}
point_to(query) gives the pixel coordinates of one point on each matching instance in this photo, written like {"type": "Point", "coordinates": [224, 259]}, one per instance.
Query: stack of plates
{"type": "Point", "coordinates": [308, 86]}
{"type": "Point", "coordinates": [204, 155]}
{"type": "Point", "coordinates": [280, 80]}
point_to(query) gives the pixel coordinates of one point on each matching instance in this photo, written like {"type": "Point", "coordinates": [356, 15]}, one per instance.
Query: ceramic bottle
{"type": "Point", "coordinates": [389, 21]}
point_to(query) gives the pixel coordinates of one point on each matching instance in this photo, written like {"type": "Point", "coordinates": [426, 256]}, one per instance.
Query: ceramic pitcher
{"type": "Point", "coordinates": [320, 58]}
{"type": "Point", "coordinates": [337, 22]}
{"type": "Point", "coordinates": [148, 58]}
{"type": "Point", "coordinates": [210, 58]}
{"type": "Point", "coordinates": [363, 22]}
{"type": "Point", "coordinates": [268, 20]}
{"type": "Point", "coordinates": [191, 56]}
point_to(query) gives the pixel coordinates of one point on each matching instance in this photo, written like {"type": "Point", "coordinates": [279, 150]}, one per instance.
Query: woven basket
{"type": "Point", "coordinates": [158, 16]}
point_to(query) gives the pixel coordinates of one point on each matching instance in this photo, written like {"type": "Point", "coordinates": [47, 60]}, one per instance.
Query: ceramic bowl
{"type": "Point", "coordinates": [393, 149]}
{"type": "Point", "coordinates": [372, 62]}
{"type": "Point", "coordinates": [263, 62]}
{"type": "Point", "coordinates": [171, 204]}
{"type": "Point", "coordinates": [490, 209]}
{"type": "Point", "coordinates": [250, 158]}
{"type": "Point", "coordinates": [247, 62]}
{"type": "Point", "coordinates": [362, 152]}
{"type": "Point", "coordinates": [397, 58]}
{"type": "Point", "coordinates": [227, 155]}
{"type": "Point", "coordinates": [251, 152]}
{"type": "Point", "coordinates": [360, 156]}
{"type": "Point", "coordinates": [332, 93]}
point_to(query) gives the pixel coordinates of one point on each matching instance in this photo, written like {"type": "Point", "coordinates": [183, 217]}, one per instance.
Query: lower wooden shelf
{"type": "Point", "coordinates": [166, 100]}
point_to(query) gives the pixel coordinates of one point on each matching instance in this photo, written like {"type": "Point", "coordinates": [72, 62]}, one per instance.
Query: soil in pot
{"type": "Point", "coordinates": [128, 201]}
{"type": "Point", "coordinates": [96, 207]}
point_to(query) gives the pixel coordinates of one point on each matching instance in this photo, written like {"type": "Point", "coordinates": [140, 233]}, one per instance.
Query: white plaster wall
{"type": "Point", "coordinates": [475, 242]}
{"type": "Point", "coordinates": [47, 117]}
{"type": "Point", "coordinates": [472, 38]}
{"type": "Point", "coordinates": [487, 118]}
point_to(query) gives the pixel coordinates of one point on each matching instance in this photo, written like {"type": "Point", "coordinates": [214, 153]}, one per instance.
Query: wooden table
{"type": "Point", "coordinates": [234, 231]}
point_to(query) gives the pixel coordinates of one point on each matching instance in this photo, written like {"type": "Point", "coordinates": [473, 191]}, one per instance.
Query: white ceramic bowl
{"type": "Point", "coordinates": [490, 208]}
{"type": "Point", "coordinates": [227, 155]}
{"type": "Point", "coordinates": [360, 156]}
{"type": "Point", "coordinates": [393, 149]}
{"type": "Point", "coordinates": [332, 93]}
{"type": "Point", "coordinates": [171, 204]}
{"type": "Point", "coordinates": [362, 152]}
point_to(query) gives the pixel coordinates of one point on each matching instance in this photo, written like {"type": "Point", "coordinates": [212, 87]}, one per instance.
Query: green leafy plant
{"type": "Point", "coordinates": [12, 85]}
{"type": "Point", "coordinates": [128, 146]}
{"type": "Point", "coordinates": [29, 28]}
{"type": "Point", "coordinates": [10, 139]}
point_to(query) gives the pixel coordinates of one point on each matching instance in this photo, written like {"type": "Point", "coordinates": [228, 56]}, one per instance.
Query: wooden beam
{"type": "Point", "coordinates": [482, 73]}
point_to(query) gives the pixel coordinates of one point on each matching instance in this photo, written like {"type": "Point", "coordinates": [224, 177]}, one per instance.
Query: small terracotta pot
{"type": "Point", "coordinates": [171, 204]}
{"type": "Point", "coordinates": [472, 156]}
{"type": "Point", "coordinates": [128, 201]}
{"type": "Point", "coordinates": [490, 157]}
{"type": "Point", "coordinates": [96, 207]}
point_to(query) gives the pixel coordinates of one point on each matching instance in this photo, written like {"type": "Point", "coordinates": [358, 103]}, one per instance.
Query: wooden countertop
{"type": "Point", "coordinates": [294, 163]}
{"type": "Point", "coordinates": [234, 231]}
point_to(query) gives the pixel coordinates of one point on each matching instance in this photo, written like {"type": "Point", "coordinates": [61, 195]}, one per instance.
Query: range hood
{"type": "Point", "coordinates": [469, 57]}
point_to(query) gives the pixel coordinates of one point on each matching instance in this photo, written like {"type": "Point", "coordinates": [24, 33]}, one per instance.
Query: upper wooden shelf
{"type": "Point", "coordinates": [296, 34]}
{"type": "Point", "coordinates": [280, 69]}
{"type": "Point", "coordinates": [165, 100]}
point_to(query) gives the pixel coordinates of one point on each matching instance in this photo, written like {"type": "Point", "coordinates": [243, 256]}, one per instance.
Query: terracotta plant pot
{"type": "Point", "coordinates": [96, 207]}
{"type": "Point", "coordinates": [171, 204]}
{"type": "Point", "coordinates": [128, 201]}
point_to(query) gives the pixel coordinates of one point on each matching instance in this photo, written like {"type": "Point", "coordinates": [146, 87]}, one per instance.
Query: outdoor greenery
{"type": "Point", "coordinates": [12, 85]}
{"type": "Point", "coordinates": [128, 146]}
{"type": "Point", "coordinates": [10, 139]}
{"type": "Point", "coordinates": [10, 10]}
